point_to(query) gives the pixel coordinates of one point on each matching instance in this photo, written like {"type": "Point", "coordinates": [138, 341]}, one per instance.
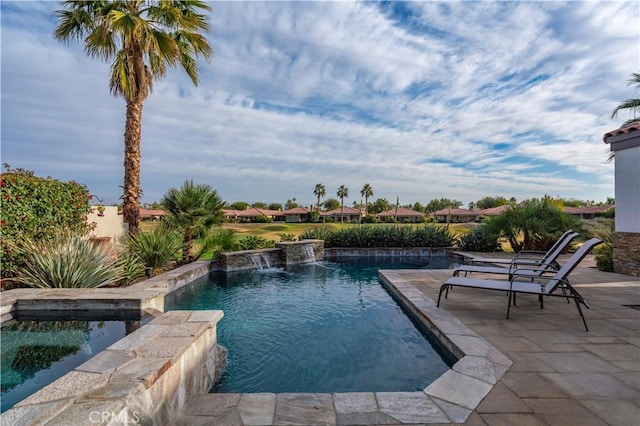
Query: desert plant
{"type": "Point", "coordinates": [287, 237]}
{"type": "Point", "coordinates": [132, 269]}
{"type": "Point", "coordinates": [156, 248]}
{"type": "Point", "coordinates": [604, 257]}
{"type": "Point", "coordinates": [68, 261]}
{"type": "Point", "coordinates": [479, 239]}
{"type": "Point", "coordinates": [215, 241]}
{"type": "Point", "coordinates": [253, 242]}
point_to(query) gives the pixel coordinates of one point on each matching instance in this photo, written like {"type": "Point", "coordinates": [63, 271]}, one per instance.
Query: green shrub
{"type": "Point", "coordinates": [35, 208]}
{"type": "Point", "coordinates": [604, 258]}
{"type": "Point", "coordinates": [216, 241]}
{"type": "Point", "coordinates": [479, 239]}
{"type": "Point", "coordinates": [68, 261]}
{"type": "Point", "coordinates": [132, 269]}
{"type": "Point", "coordinates": [314, 216]}
{"type": "Point", "coordinates": [254, 242]}
{"type": "Point", "coordinates": [287, 237]}
{"type": "Point", "coordinates": [263, 219]}
{"type": "Point", "coordinates": [156, 248]}
{"type": "Point", "coordinates": [384, 236]}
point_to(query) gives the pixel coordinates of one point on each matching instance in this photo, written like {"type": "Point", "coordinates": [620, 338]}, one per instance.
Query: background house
{"type": "Point", "coordinates": [402, 214]}
{"type": "Point", "coordinates": [625, 144]}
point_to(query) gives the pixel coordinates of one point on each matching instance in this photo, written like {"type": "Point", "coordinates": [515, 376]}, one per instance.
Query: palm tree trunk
{"type": "Point", "coordinates": [131, 203]}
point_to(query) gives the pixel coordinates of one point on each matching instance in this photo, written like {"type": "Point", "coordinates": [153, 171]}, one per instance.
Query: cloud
{"type": "Point", "coordinates": [420, 99]}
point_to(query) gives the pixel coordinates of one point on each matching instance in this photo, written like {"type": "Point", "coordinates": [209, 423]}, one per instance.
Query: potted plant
{"type": "Point", "coordinates": [100, 209]}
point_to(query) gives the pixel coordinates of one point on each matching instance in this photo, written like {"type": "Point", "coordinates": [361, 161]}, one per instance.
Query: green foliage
{"type": "Point", "coordinates": [331, 204]}
{"type": "Point", "coordinates": [479, 239]}
{"type": "Point", "coordinates": [380, 205]}
{"type": "Point", "coordinates": [604, 258]}
{"type": "Point", "coordinates": [263, 219]}
{"type": "Point", "coordinates": [68, 261]}
{"type": "Point", "coordinates": [291, 204]}
{"type": "Point", "coordinates": [442, 203]}
{"type": "Point", "coordinates": [156, 248]}
{"type": "Point", "coordinates": [274, 206]}
{"type": "Point", "coordinates": [35, 208]}
{"type": "Point", "coordinates": [259, 205]}
{"type": "Point", "coordinates": [254, 242]}
{"type": "Point", "coordinates": [314, 216]}
{"type": "Point", "coordinates": [532, 225]}
{"type": "Point", "coordinates": [489, 202]}
{"type": "Point", "coordinates": [217, 240]}
{"type": "Point", "coordinates": [384, 236]}
{"type": "Point", "coordinates": [194, 209]}
{"type": "Point", "coordinates": [132, 269]}
{"type": "Point", "coordinates": [288, 237]}
{"type": "Point", "coordinates": [238, 205]}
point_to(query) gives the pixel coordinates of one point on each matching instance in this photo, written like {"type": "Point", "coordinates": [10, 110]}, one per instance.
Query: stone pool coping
{"type": "Point", "coordinates": [449, 399]}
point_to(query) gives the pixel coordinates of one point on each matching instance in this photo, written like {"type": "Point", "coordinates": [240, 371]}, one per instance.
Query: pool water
{"type": "Point", "coordinates": [321, 327]}
{"type": "Point", "coordinates": [36, 353]}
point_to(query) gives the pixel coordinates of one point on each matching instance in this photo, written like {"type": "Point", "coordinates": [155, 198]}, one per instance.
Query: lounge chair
{"type": "Point", "coordinates": [522, 265]}
{"type": "Point", "coordinates": [530, 257]}
{"type": "Point", "coordinates": [544, 285]}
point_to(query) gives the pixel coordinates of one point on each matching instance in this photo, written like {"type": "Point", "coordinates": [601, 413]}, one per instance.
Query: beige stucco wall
{"type": "Point", "coordinates": [110, 225]}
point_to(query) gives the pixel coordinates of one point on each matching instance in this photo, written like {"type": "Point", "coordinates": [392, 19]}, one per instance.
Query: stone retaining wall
{"type": "Point", "coordinates": [144, 378]}
{"type": "Point", "coordinates": [626, 253]}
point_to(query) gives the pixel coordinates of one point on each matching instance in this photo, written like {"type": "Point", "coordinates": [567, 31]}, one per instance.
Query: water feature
{"type": "Point", "coordinates": [308, 253]}
{"type": "Point", "coordinates": [37, 352]}
{"type": "Point", "coordinates": [260, 261]}
{"type": "Point", "coordinates": [316, 327]}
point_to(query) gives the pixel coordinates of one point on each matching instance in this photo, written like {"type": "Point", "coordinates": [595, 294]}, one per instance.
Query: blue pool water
{"type": "Point", "coordinates": [36, 353]}
{"type": "Point", "coordinates": [322, 327]}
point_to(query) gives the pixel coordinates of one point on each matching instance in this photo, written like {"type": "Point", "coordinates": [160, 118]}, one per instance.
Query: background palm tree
{"type": "Point", "coordinates": [319, 191]}
{"type": "Point", "coordinates": [630, 104]}
{"type": "Point", "coordinates": [366, 192]}
{"type": "Point", "coordinates": [343, 192]}
{"type": "Point", "coordinates": [194, 209]}
{"type": "Point", "coordinates": [143, 38]}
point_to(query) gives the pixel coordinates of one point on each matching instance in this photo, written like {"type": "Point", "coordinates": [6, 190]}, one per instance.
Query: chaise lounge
{"type": "Point", "coordinates": [543, 285]}
{"type": "Point", "coordinates": [525, 266]}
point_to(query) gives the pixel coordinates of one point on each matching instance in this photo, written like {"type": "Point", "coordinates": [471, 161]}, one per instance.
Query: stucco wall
{"type": "Point", "coordinates": [110, 225]}
{"type": "Point", "coordinates": [627, 191]}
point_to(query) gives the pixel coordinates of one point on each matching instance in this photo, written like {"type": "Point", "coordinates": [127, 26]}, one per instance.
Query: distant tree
{"type": "Point", "coordinates": [291, 204]}
{"type": "Point", "coordinates": [331, 204]}
{"type": "Point", "coordinates": [512, 201]}
{"type": "Point", "coordinates": [442, 203]}
{"type": "Point", "coordinates": [366, 192]}
{"type": "Point", "coordinates": [193, 208]}
{"type": "Point", "coordinates": [490, 202]}
{"type": "Point", "coordinates": [259, 205]}
{"type": "Point", "coordinates": [418, 207]}
{"type": "Point", "coordinates": [144, 39]}
{"type": "Point", "coordinates": [319, 191]}
{"type": "Point", "coordinates": [610, 200]}
{"type": "Point", "coordinates": [472, 205]}
{"type": "Point", "coordinates": [343, 192]}
{"type": "Point", "coordinates": [379, 206]}
{"type": "Point", "coordinates": [156, 206]}
{"type": "Point", "coordinates": [630, 104]}
{"type": "Point", "coordinates": [239, 205]}
{"type": "Point", "coordinates": [275, 206]}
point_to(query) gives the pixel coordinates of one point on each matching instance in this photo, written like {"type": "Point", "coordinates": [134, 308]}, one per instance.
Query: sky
{"type": "Point", "coordinates": [420, 100]}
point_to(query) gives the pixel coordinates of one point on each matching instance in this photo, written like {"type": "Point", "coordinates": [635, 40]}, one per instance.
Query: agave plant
{"type": "Point", "coordinates": [68, 261]}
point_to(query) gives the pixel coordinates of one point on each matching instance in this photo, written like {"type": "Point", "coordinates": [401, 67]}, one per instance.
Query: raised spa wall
{"type": "Point", "coordinates": [285, 253]}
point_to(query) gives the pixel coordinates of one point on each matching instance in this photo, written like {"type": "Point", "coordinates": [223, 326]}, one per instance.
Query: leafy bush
{"type": "Point", "coordinates": [384, 236]}
{"type": "Point", "coordinates": [479, 239]}
{"type": "Point", "coordinates": [35, 208]}
{"type": "Point", "coordinates": [254, 242]}
{"type": "Point", "coordinates": [216, 240]}
{"type": "Point", "coordinates": [156, 248]}
{"type": "Point", "coordinates": [604, 258]}
{"type": "Point", "coordinates": [263, 219]}
{"type": "Point", "coordinates": [68, 261]}
{"type": "Point", "coordinates": [287, 237]}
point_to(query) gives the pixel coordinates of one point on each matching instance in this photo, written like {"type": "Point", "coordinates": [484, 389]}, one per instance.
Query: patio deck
{"type": "Point", "coordinates": [561, 374]}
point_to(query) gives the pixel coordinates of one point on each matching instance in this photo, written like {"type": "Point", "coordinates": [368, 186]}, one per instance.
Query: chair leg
{"type": "Point", "coordinates": [541, 301]}
{"type": "Point", "coordinates": [584, 321]}
{"type": "Point", "coordinates": [510, 293]}
{"type": "Point", "coordinates": [442, 288]}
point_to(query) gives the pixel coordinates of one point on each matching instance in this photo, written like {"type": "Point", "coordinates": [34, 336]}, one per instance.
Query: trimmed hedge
{"type": "Point", "coordinates": [38, 209]}
{"type": "Point", "coordinates": [384, 236]}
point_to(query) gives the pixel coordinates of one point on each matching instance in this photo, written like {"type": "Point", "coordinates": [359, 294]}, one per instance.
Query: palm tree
{"type": "Point", "coordinates": [366, 192]}
{"type": "Point", "coordinates": [143, 39]}
{"type": "Point", "coordinates": [343, 192]}
{"type": "Point", "coordinates": [630, 104]}
{"type": "Point", "coordinates": [319, 191]}
{"type": "Point", "coordinates": [194, 209]}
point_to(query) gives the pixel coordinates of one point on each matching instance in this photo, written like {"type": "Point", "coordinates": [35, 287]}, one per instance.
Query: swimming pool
{"type": "Point", "coordinates": [37, 352]}
{"type": "Point", "coordinates": [320, 327]}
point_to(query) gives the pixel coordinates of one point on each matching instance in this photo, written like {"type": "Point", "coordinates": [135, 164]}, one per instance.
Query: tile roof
{"type": "Point", "coordinates": [494, 211]}
{"type": "Point", "coordinates": [346, 210]}
{"type": "Point", "coordinates": [631, 127]}
{"type": "Point", "coordinates": [297, 210]}
{"type": "Point", "coordinates": [402, 212]}
{"type": "Point", "coordinates": [150, 212]}
{"type": "Point", "coordinates": [588, 210]}
{"type": "Point", "coordinates": [455, 212]}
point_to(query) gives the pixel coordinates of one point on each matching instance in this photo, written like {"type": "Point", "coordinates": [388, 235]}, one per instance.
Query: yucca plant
{"type": "Point", "coordinates": [68, 261]}
{"type": "Point", "coordinates": [156, 248]}
{"type": "Point", "coordinates": [132, 268]}
{"type": "Point", "coordinates": [215, 241]}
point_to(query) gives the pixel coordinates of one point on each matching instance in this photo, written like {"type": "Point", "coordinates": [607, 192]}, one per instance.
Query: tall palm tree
{"type": "Point", "coordinates": [343, 192]}
{"type": "Point", "coordinates": [366, 192]}
{"type": "Point", "coordinates": [142, 38]}
{"type": "Point", "coordinates": [630, 104]}
{"type": "Point", "coordinates": [194, 209]}
{"type": "Point", "coordinates": [319, 191]}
